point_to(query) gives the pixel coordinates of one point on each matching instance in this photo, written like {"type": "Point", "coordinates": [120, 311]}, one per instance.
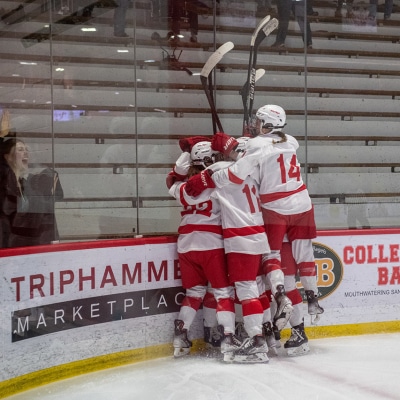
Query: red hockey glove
{"type": "Point", "coordinates": [170, 179]}
{"type": "Point", "coordinates": [186, 144]}
{"type": "Point", "coordinates": [173, 177]}
{"type": "Point", "coordinates": [198, 183]}
{"type": "Point", "coordinates": [223, 143]}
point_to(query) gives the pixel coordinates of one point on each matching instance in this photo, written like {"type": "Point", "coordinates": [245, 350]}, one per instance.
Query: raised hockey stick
{"type": "Point", "coordinates": [260, 72]}
{"type": "Point", "coordinates": [210, 64]}
{"type": "Point", "coordinates": [211, 91]}
{"type": "Point", "coordinates": [254, 35]}
{"type": "Point", "coordinates": [261, 32]}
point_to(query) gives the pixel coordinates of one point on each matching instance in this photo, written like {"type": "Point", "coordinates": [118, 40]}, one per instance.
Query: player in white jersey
{"type": "Point", "coordinates": [200, 248]}
{"type": "Point", "coordinates": [245, 241]}
{"type": "Point", "coordinates": [286, 204]}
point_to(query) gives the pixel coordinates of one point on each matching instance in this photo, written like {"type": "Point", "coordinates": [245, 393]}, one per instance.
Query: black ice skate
{"type": "Point", "coordinates": [213, 335]}
{"type": "Point", "coordinates": [270, 338]}
{"type": "Point", "coordinates": [313, 306]}
{"type": "Point", "coordinates": [284, 308]}
{"type": "Point", "coordinates": [229, 345]}
{"type": "Point", "coordinates": [181, 342]}
{"type": "Point", "coordinates": [297, 345]}
{"type": "Point", "coordinates": [253, 350]}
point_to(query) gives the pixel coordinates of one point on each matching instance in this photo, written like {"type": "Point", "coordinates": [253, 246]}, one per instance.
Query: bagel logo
{"type": "Point", "coordinates": [329, 268]}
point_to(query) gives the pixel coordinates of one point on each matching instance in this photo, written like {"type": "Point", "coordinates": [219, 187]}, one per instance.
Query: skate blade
{"type": "Point", "coordinates": [315, 320]}
{"type": "Point", "coordinates": [316, 311]}
{"type": "Point", "coordinates": [298, 351]}
{"type": "Point", "coordinates": [281, 322]}
{"type": "Point", "coordinates": [180, 352]}
{"type": "Point", "coordinates": [257, 358]}
{"type": "Point", "coordinates": [229, 357]}
{"type": "Point", "coordinates": [272, 352]}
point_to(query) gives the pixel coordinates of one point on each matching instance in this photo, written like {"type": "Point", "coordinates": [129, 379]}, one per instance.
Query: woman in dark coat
{"type": "Point", "coordinates": [26, 200]}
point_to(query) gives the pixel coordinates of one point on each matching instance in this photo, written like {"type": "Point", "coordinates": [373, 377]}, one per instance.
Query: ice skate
{"type": "Point", "coordinates": [181, 342]}
{"type": "Point", "coordinates": [313, 306]}
{"type": "Point", "coordinates": [297, 345]}
{"type": "Point", "coordinates": [240, 331]}
{"type": "Point", "coordinates": [213, 336]}
{"type": "Point", "coordinates": [253, 350]}
{"type": "Point", "coordinates": [284, 308]}
{"type": "Point", "coordinates": [229, 345]}
{"type": "Point", "coordinates": [270, 338]}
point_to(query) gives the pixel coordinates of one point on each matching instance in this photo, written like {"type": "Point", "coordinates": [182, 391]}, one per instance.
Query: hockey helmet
{"type": "Point", "coordinates": [271, 117]}
{"type": "Point", "coordinates": [203, 155]}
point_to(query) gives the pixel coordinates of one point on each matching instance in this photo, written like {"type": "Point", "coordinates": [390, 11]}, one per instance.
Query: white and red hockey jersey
{"type": "Point", "coordinates": [241, 216]}
{"type": "Point", "coordinates": [281, 186]}
{"type": "Point", "coordinates": [200, 227]}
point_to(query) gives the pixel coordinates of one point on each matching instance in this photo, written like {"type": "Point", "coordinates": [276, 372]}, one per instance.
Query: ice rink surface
{"type": "Point", "coordinates": [355, 368]}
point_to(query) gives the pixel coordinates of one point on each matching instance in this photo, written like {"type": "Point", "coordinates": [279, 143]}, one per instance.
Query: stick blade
{"type": "Point", "coordinates": [266, 31]}
{"type": "Point", "coordinates": [259, 73]}
{"type": "Point", "coordinates": [258, 28]}
{"type": "Point", "coordinates": [270, 26]}
{"type": "Point", "coordinates": [215, 58]}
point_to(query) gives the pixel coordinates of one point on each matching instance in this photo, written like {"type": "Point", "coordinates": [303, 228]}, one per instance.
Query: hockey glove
{"type": "Point", "coordinates": [186, 144]}
{"type": "Point", "coordinates": [198, 183]}
{"type": "Point", "coordinates": [182, 166]}
{"type": "Point", "coordinates": [170, 179]}
{"type": "Point", "coordinates": [180, 170]}
{"type": "Point", "coordinates": [224, 143]}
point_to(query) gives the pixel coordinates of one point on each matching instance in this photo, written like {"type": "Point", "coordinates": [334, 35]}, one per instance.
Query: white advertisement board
{"type": "Point", "coordinates": [71, 302]}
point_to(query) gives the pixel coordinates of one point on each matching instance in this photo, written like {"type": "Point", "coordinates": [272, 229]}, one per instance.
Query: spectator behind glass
{"type": "Point", "coordinates": [176, 10]}
{"type": "Point", "coordinates": [285, 7]}
{"type": "Point", "coordinates": [120, 18]}
{"type": "Point", "coordinates": [27, 200]}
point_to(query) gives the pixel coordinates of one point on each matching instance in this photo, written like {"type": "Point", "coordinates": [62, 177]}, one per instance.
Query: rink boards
{"type": "Point", "coordinates": [78, 307]}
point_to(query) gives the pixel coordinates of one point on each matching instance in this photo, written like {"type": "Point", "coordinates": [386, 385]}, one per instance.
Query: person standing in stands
{"type": "Point", "coordinates": [175, 13]}
{"type": "Point", "coordinates": [120, 18]}
{"type": "Point", "coordinates": [26, 200]}
{"type": "Point", "coordinates": [285, 7]}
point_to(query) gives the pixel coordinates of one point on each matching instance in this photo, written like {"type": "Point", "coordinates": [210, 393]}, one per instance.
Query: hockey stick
{"type": "Point", "coordinates": [261, 32]}
{"type": "Point", "coordinates": [211, 92]}
{"type": "Point", "coordinates": [254, 35]}
{"type": "Point", "coordinates": [210, 64]}
{"type": "Point", "coordinates": [260, 72]}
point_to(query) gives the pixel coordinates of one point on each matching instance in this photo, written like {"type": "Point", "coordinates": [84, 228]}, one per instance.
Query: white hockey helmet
{"type": "Point", "coordinates": [203, 155]}
{"type": "Point", "coordinates": [271, 117]}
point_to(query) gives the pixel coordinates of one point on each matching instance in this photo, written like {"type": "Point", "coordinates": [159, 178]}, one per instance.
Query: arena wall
{"type": "Point", "coordinates": [75, 308]}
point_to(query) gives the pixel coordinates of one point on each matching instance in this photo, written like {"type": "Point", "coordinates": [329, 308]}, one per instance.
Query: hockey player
{"type": "Point", "coordinates": [245, 242]}
{"type": "Point", "coordinates": [213, 333]}
{"type": "Point", "coordinates": [200, 249]}
{"type": "Point", "coordinates": [298, 341]}
{"type": "Point", "coordinates": [286, 204]}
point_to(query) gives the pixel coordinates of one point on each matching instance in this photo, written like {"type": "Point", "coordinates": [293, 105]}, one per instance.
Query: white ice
{"type": "Point", "coordinates": [356, 368]}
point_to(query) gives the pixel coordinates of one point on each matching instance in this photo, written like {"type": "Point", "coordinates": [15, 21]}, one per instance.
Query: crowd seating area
{"type": "Point", "coordinates": [107, 112]}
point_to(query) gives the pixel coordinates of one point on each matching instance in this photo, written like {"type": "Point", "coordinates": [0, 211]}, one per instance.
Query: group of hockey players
{"type": "Point", "coordinates": [246, 230]}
